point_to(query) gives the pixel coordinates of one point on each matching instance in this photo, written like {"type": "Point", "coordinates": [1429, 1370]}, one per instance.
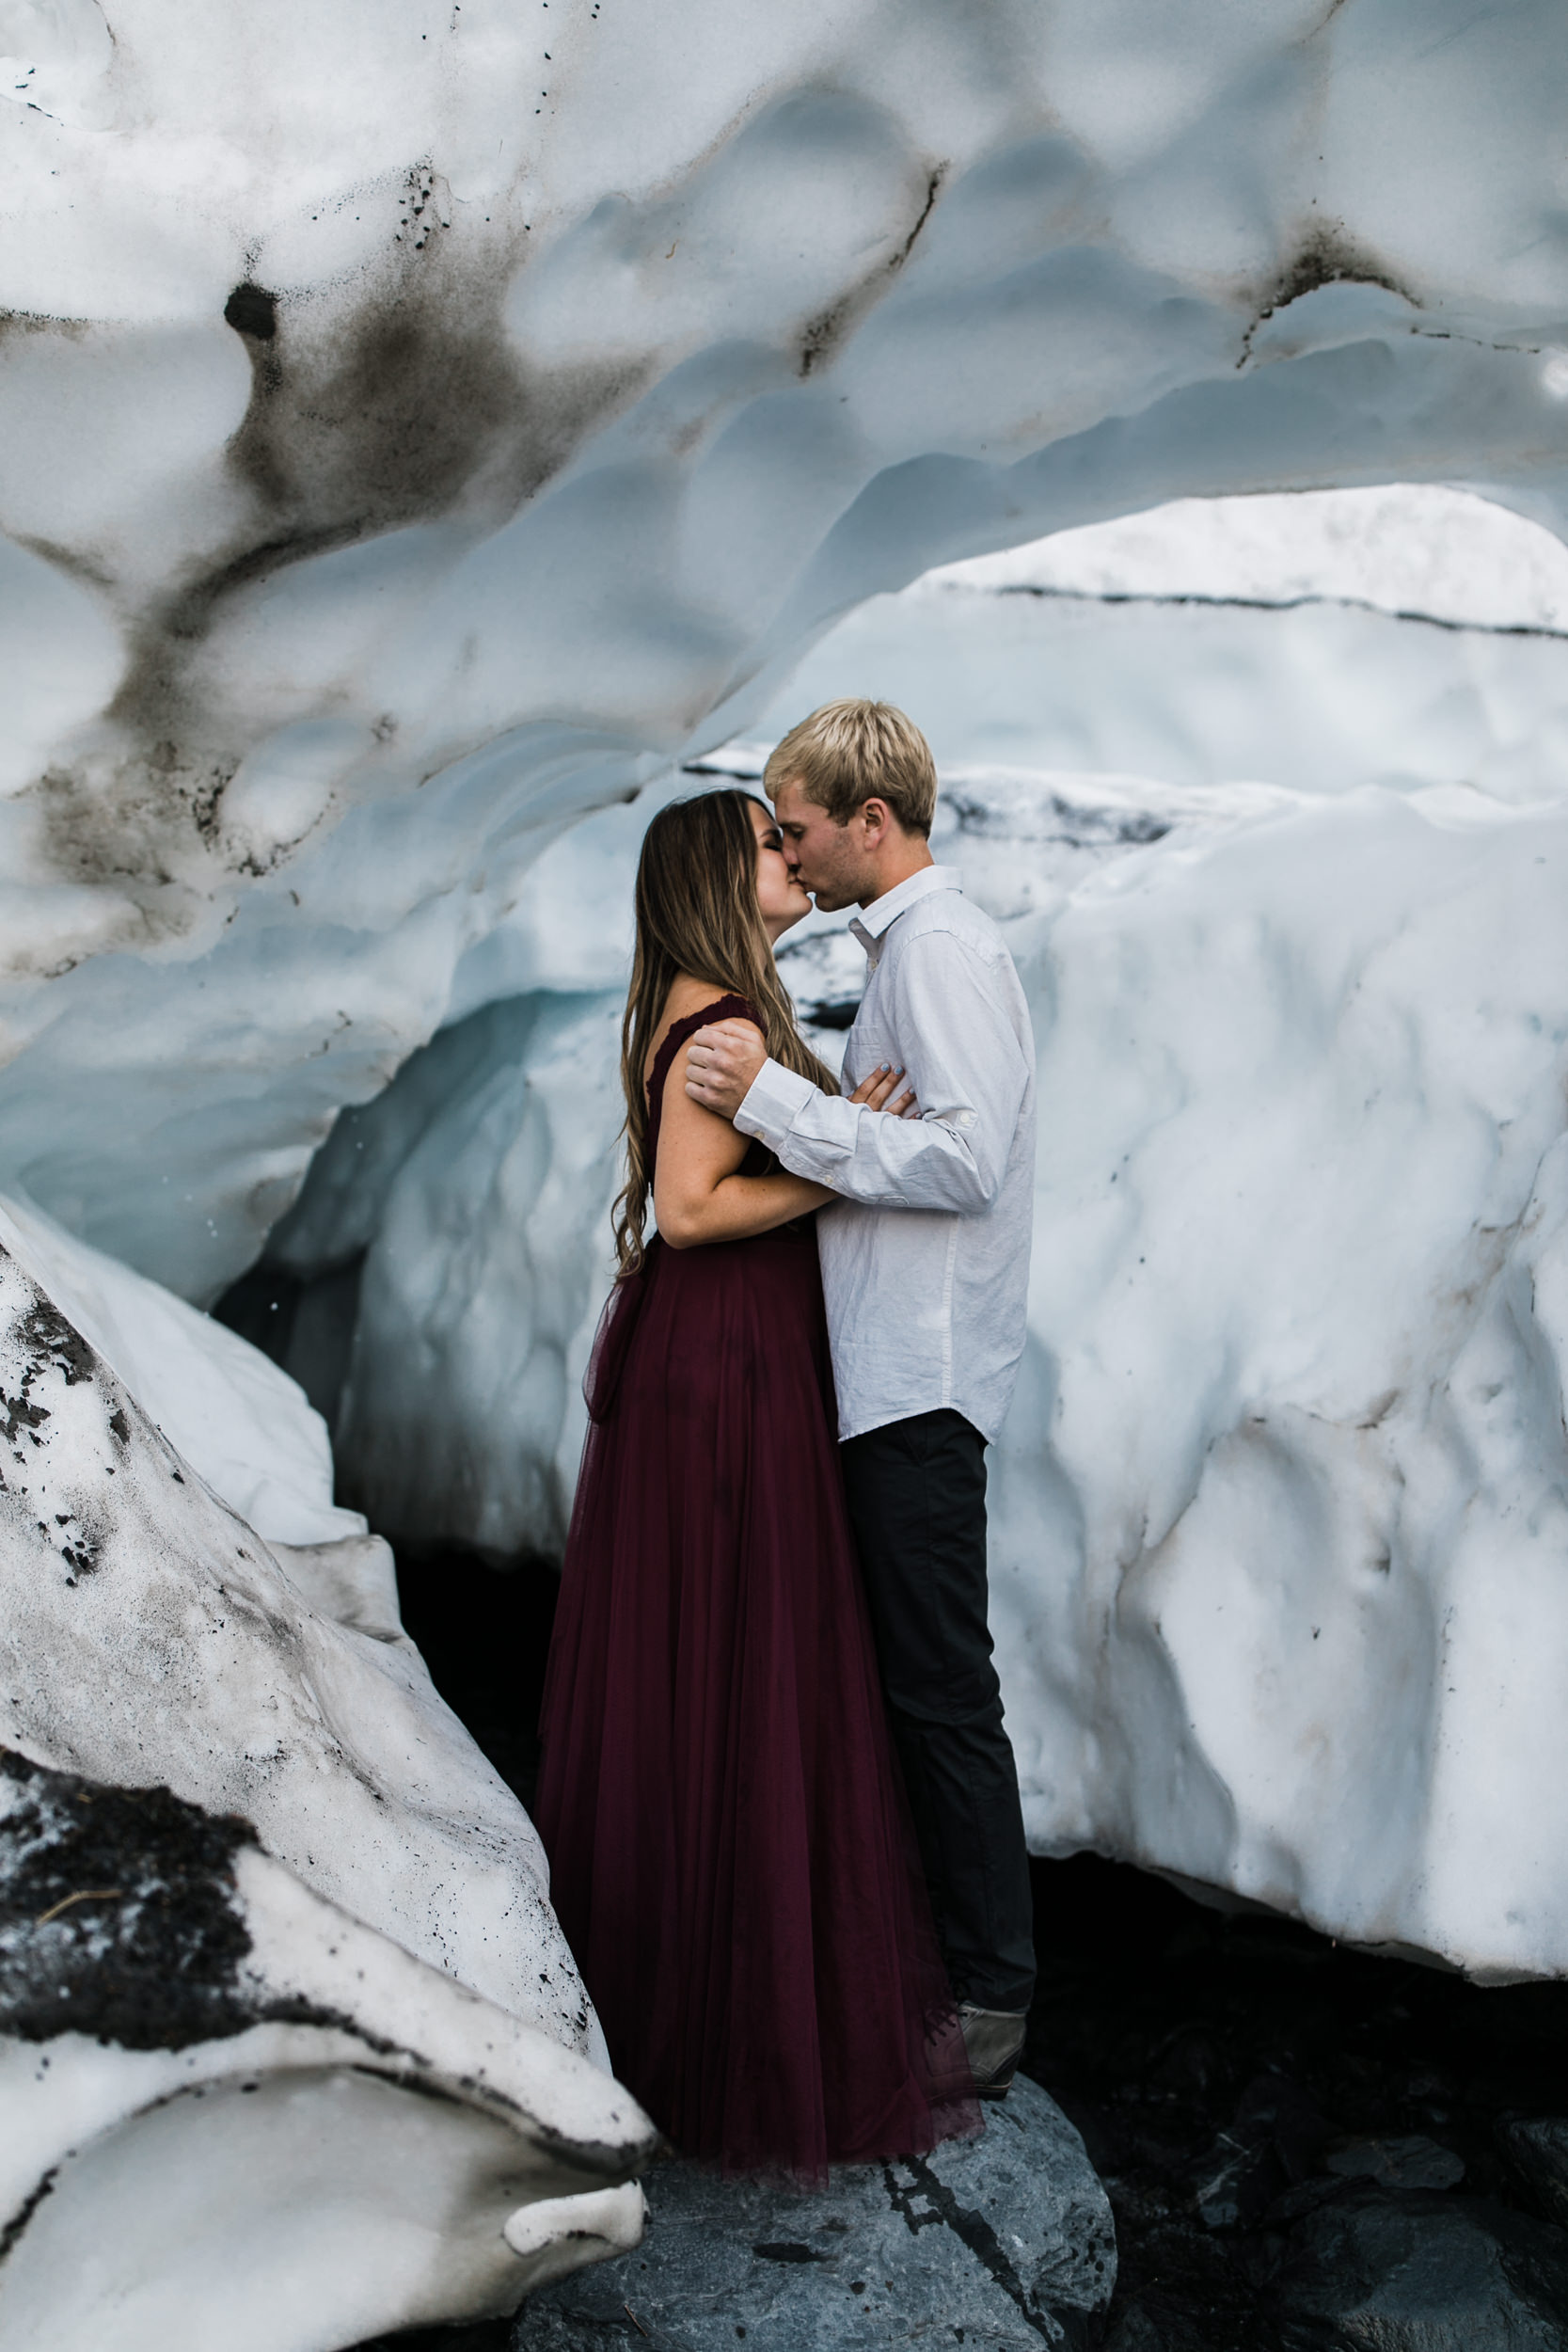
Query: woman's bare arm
{"type": "Point", "coordinates": [699, 1194]}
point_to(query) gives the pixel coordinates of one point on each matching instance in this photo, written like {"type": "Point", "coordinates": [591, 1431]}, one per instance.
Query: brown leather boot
{"type": "Point", "coordinates": [993, 2039]}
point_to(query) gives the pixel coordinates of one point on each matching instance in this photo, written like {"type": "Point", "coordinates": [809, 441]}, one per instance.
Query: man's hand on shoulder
{"type": "Point", "coordinates": [722, 1064]}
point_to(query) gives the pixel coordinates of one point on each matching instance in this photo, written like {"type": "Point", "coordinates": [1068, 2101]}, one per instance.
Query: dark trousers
{"type": "Point", "coordinates": [917, 1501]}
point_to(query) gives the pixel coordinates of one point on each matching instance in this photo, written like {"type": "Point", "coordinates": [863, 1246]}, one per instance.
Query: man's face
{"type": "Point", "coordinates": [833, 861]}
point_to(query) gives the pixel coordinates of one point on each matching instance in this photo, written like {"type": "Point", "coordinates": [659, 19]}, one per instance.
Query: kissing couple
{"type": "Point", "coordinates": [778, 1797]}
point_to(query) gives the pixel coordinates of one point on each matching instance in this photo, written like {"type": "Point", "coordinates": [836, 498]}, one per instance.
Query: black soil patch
{"type": "Point", "coordinates": [117, 1915]}
{"type": "Point", "coordinates": [1326, 256]}
{"type": "Point", "coordinates": [250, 309]}
{"type": "Point", "coordinates": [50, 1343]}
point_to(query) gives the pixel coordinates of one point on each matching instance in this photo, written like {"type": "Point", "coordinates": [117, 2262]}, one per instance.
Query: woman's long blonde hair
{"type": "Point", "coordinates": [696, 912]}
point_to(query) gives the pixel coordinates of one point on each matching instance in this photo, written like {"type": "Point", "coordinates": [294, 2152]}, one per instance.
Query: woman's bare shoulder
{"type": "Point", "coordinates": [686, 996]}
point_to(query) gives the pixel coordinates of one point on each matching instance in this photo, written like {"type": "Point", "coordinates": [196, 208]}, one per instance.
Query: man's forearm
{"type": "Point", "coordinates": [863, 1156]}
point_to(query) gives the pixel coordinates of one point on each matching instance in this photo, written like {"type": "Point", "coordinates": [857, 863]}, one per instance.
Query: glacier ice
{"type": "Point", "coordinates": [416, 444]}
{"type": "Point", "coordinates": [1402, 636]}
{"type": "Point", "coordinates": [415, 430]}
{"type": "Point", "coordinates": [1412, 550]}
{"type": "Point", "coordinates": [1276, 1508]}
{"type": "Point", "coordinates": [1278, 1514]}
{"type": "Point", "coordinates": [236, 2115]}
{"type": "Point", "coordinates": [469, 1203]}
{"type": "Point", "coordinates": [149, 1628]}
{"type": "Point", "coordinates": [362, 2037]}
{"type": "Point", "coordinates": [224, 1406]}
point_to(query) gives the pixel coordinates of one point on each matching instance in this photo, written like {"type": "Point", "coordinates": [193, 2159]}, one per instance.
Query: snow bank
{"type": "Point", "coordinates": [369, 2042]}
{"type": "Point", "coordinates": [1403, 637]}
{"type": "Point", "coordinates": [236, 2115]}
{"type": "Point", "coordinates": [148, 1634]}
{"type": "Point", "coordinates": [1403, 548]}
{"type": "Point", "coordinates": [224, 1407]}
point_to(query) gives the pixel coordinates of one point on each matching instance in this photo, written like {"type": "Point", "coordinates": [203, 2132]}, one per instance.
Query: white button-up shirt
{"type": "Point", "coordinates": [926, 1256]}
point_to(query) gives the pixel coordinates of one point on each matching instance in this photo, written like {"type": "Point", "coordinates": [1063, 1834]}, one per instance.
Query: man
{"type": "Point", "coordinates": [925, 1269]}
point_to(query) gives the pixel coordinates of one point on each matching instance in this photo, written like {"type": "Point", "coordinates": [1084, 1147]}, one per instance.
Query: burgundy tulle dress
{"type": "Point", "coordinates": [730, 1847]}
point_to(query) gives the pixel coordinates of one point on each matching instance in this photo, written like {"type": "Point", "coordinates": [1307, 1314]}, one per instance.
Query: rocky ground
{"type": "Point", "coordinates": [1004, 2239]}
{"type": "Point", "coordinates": [1306, 2150]}
{"type": "Point", "coordinates": [1304, 2147]}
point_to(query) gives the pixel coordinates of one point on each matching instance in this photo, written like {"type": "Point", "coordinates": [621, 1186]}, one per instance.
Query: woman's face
{"type": "Point", "coordinates": [780, 894]}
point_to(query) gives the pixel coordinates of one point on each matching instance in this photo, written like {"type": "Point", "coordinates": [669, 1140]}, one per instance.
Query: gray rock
{"type": "Point", "coordinates": [1539, 2146]}
{"type": "Point", "coordinates": [1420, 2273]}
{"type": "Point", "coordinates": [1409, 2162]}
{"type": "Point", "coordinates": [1005, 2240]}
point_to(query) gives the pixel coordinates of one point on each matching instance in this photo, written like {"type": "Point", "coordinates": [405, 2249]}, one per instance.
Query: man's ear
{"type": "Point", "coordinates": [874, 816]}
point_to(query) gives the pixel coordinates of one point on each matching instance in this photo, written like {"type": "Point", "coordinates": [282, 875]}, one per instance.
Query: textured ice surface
{"type": "Point", "coordinates": [1443, 555]}
{"type": "Point", "coordinates": [414, 427]}
{"type": "Point", "coordinates": [224, 1407]}
{"type": "Point", "coordinates": [236, 2115]}
{"type": "Point", "coordinates": [1402, 637]}
{"type": "Point", "coordinates": [1279, 1503]}
{"type": "Point", "coordinates": [367, 2045]}
{"type": "Point", "coordinates": [147, 1634]}
{"type": "Point", "coordinates": [415, 434]}
{"type": "Point", "coordinates": [469, 1203]}
{"type": "Point", "coordinates": [1279, 1508]}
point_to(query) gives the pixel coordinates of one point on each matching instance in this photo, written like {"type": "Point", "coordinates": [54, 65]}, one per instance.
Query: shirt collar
{"type": "Point", "coordinates": [869, 925]}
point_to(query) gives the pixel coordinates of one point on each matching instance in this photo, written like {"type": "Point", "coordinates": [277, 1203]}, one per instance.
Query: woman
{"type": "Point", "coordinates": [730, 1851]}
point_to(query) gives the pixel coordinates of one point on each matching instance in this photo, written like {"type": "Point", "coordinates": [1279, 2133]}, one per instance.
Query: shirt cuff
{"type": "Point", "coordinates": [774, 1103]}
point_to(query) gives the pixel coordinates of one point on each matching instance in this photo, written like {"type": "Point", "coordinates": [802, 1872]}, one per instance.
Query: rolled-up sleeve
{"type": "Point", "coordinates": [968, 1070]}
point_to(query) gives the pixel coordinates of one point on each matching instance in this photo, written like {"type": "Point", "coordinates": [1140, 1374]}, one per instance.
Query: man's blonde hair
{"type": "Point", "coordinates": [849, 752]}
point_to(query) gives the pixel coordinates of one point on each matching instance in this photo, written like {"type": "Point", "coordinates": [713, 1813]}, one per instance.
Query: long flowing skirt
{"type": "Point", "coordinates": [730, 1847]}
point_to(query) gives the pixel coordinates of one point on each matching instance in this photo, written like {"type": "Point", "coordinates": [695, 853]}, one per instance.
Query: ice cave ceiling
{"type": "Point", "coordinates": [426, 431]}
{"type": "Point", "coordinates": [418, 423]}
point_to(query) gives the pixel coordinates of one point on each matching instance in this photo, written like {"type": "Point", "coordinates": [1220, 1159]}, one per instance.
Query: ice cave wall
{"type": "Point", "coordinates": [416, 425]}
{"type": "Point", "coordinates": [414, 440]}
{"type": "Point", "coordinates": [1278, 1513]}
{"type": "Point", "coordinates": [1279, 1534]}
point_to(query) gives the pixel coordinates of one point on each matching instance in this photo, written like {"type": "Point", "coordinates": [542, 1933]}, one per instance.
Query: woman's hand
{"type": "Point", "coordinates": [875, 1092]}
